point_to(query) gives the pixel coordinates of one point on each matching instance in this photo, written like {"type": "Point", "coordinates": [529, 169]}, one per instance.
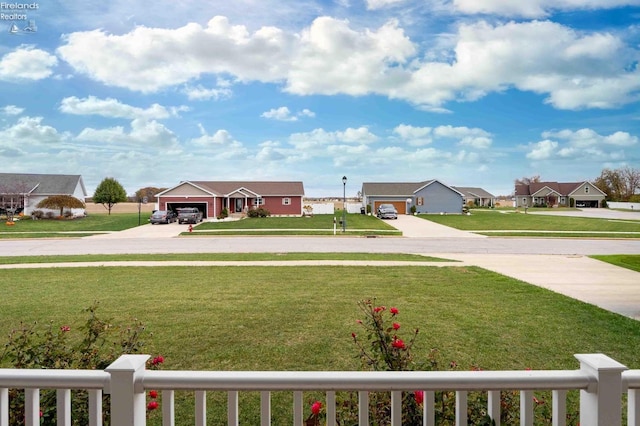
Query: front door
{"type": "Point", "coordinates": [238, 205]}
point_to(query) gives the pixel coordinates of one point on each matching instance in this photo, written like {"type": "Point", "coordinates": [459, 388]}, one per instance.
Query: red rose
{"type": "Point", "coordinates": [153, 394]}
{"type": "Point", "coordinates": [396, 326]}
{"type": "Point", "coordinates": [398, 343]}
{"type": "Point", "coordinates": [158, 360]}
{"type": "Point", "coordinates": [152, 405]}
{"type": "Point", "coordinates": [316, 407]}
{"type": "Point", "coordinates": [419, 396]}
{"type": "Point", "coordinates": [394, 311]}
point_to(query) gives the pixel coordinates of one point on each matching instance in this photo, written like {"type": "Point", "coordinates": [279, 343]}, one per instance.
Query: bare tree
{"type": "Point", "coordinates": [619, 184]}
{"type": "Point", "coordinates": [528, 180]}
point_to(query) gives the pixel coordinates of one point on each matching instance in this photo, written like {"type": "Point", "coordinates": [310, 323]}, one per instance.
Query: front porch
{"type": "Point", "coordinates": [600, 380]}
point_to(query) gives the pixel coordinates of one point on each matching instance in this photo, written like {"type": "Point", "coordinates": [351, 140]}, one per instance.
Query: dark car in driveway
{"type": "Point", "coordinates": [387, 211]}
{"type": "Point", "coordinates": [163, 216]}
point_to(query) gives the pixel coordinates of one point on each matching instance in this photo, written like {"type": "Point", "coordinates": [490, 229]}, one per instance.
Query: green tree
{"type": "Point", "coordinates": [109, 193]}
{"type": "Point", "coordinates": [619, 184]}
{"type": "Point", "coordinates": [60, 202]}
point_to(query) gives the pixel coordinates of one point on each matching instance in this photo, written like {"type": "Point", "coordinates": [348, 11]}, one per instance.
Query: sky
{"type": "Point", "coordinates": [473, 93]}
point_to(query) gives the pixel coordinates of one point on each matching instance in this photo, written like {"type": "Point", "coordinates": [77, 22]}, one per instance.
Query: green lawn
{"type": "Point", "coordinates": [546, 225]}
{"type": "Point", "coordinates": [358, 224]}
{"type": "Point", "coordinates": [628, 261]}
{"type": "Point", "coordinates": [235, 257]}
{"type": "Point", "coordinates": [301, 318]}
{"type": "Point", "coordinates": [27, 228]}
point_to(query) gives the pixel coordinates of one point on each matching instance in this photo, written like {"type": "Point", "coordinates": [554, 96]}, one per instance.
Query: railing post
{"type": "Point", "coordinates": [127, 400]}
{"type": "Point", "coordinates": [601, 402]}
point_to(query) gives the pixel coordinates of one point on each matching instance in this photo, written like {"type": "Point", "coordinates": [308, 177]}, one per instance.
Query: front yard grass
{"type": "Point", "coordinates": [356, 224]}
{"type": "Point", "coordinates": [520, 224]}
{"type": "Point", "coordinates": [628, 261]}
{"type": "Point", "coordinates": [89, 225]}
{"type": "Point", "coordinates": [301, 318]}
{"type": "Point", "coordinates": [220, 257]}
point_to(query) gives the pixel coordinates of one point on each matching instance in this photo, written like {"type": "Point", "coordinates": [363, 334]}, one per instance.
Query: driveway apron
{"type": "Point", "coordinates": [415, 227]}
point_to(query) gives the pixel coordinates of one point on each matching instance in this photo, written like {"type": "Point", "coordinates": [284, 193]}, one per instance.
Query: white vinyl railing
{"type": "Point", "coordinates": [600, 380]}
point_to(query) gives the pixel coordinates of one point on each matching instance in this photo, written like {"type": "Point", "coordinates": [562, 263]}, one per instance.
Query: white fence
{"type": "Point", "coordinates": [628, 206]}
{"type": "Point", "coordinates": [600, 380]}
{"type": "Point", "coordinates": [330, 208]}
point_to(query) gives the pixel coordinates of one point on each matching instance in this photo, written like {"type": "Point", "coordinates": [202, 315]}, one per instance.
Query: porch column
{"type": "Point", "coordinates": [601, 402]}
{"type": "Point", "coordinates": [127, 400]}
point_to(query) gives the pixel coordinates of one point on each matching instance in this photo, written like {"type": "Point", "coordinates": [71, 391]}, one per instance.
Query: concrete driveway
{"type": "Point", "coordinates": [144, 231]}
{"type": "Point", "coordinates": [415, 227]}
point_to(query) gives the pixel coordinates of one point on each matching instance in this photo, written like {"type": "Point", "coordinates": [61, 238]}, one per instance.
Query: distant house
{"type": "Point", "coordinates": [238, 197]}
{"type": "Point", "coordinates": [476, 196]}
{"type": "Point", "coordinates": [431, 196]}
{"type": "Point", "coordinates": [565, 194]}
{"type": "Point", "coordinates": [22, 192]}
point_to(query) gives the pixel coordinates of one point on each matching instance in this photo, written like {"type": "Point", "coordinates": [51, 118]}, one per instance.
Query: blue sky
{"type": "Point", "coordinates": [470, 92]}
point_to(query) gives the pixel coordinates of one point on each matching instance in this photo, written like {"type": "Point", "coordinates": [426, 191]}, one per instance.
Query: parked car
{"type": "Point", "coordinates": [189, 215]}
{"type": "Point", "coordinates": [163, 216]}
{"type": "Point", "coordinates": [387, 211]}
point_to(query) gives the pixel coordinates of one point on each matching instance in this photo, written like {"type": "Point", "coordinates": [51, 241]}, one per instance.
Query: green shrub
{"type": "Point", "coordinates": [92, 346]}
{"type": "Point", "coordinates": [259, 212]}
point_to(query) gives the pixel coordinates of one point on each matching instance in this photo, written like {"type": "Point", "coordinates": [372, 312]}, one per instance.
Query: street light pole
{"type": "Point", "coordinates": [344, 203]}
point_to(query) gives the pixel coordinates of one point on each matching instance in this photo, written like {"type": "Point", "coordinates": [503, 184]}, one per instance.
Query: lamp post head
{"type": "Point", "coordinates": [344, 180]}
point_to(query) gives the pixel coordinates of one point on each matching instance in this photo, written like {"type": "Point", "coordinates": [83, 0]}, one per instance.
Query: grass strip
{"type": "Point", "coordinates": [239, 257]}
{"type": "Point", "coordinates": [628, 261]}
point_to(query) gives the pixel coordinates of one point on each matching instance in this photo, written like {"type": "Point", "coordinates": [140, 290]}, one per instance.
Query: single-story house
{"type": "Point", "coordinates": [431, 196]}
{"type": "Point", "coordinates": [22, 192]}
{"type": "Point", "coordinates": [238, 197]}
{"type": "Point", "coordinates": [476, 196]}
{"type": "Point", "coordinates": [565, 194]}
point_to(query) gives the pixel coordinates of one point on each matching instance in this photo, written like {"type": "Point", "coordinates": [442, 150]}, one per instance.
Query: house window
{"type": "Point", "coordinates": [524, 201]}
{"type": "Point", "coordinates": [286, 201]}
{"type": "Point", "coordinates": [258, 202]}
{"type": "Point", "coordinates": [420, 201]}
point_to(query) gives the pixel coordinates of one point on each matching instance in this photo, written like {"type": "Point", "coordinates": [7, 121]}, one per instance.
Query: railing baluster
{"type": "Point", "coordinates": [363, 408]}
{"type": "Point", "coordinates": [461, 408]}
{"type": "Point", "coordinates": [559, 409]}
{"type": "Point", "coordinates": [4, 407]}
{"type": "Point", "coordinates": [396, 408]}
{"type": "Point", "coordinates": [526, 408]}
{"type": "Point", "coordinates": [168, 408]}
{"type": "Point", "coordinates": [63, 407]}
{"type": "Point", "coordinates": [265, 408]}
{"type": "Point", "coordinates": [633, 408]}
{"type": "Point", "coordinates": [297, 408]}
{"type": "Point", "coordinates": [429, 409]}
{"type": "Point", "coordinates": [493, 406]}
{"type": "Point", "coordinates": [32, 407]}
{"type": "Point", "coordinates": [331, 408]}
{"type": "Point", "coordinates": [232, 408]}
{"type": "Point", "coordinates": [201, 408]}
{"type": "Point", "coordinates": [95, 407]}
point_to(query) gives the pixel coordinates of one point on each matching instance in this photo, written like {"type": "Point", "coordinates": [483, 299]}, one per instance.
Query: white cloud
{"type": "Point", "coordinates": [30, 131]}
{"type": "Point", "coordinates": [379, 4]}
{"type": "Point", "coordinates": [201, 93]}
{"type": "Point", "coordinates": [12, 110]}
{"type": "Point", "coordinates": [584, 138]}
{"type": "Point", "coordinates": [220, 137]}
{"type": "Point", "coordinates": [280, 114]}
{"type": "Point", "coordinates": [542, 150]}
{"type": "Point", "coordinates": [26, 63]}
{"type": "Point", "coordinates": [534, 8]}
{"type": "Point", "coordinates": [414, 135]}
{"type": "Point", "coordinates": [110, 108]}
{"type": "Point", "coordinates": [134, 61]}
{"type": "Point", "coordinates": [144, 133]}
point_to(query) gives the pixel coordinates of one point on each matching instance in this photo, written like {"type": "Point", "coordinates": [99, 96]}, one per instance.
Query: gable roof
{"type": "Point", "coordinates": [399, 189]}
{"type": "Point", "coordinates": [260, 188]}
{"type": "Point", "coordinates": [40, 184]}
{"type": "Point", "coordinates": [473, 192]}
{"type": "Point", "coordinates": [562, 188]}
